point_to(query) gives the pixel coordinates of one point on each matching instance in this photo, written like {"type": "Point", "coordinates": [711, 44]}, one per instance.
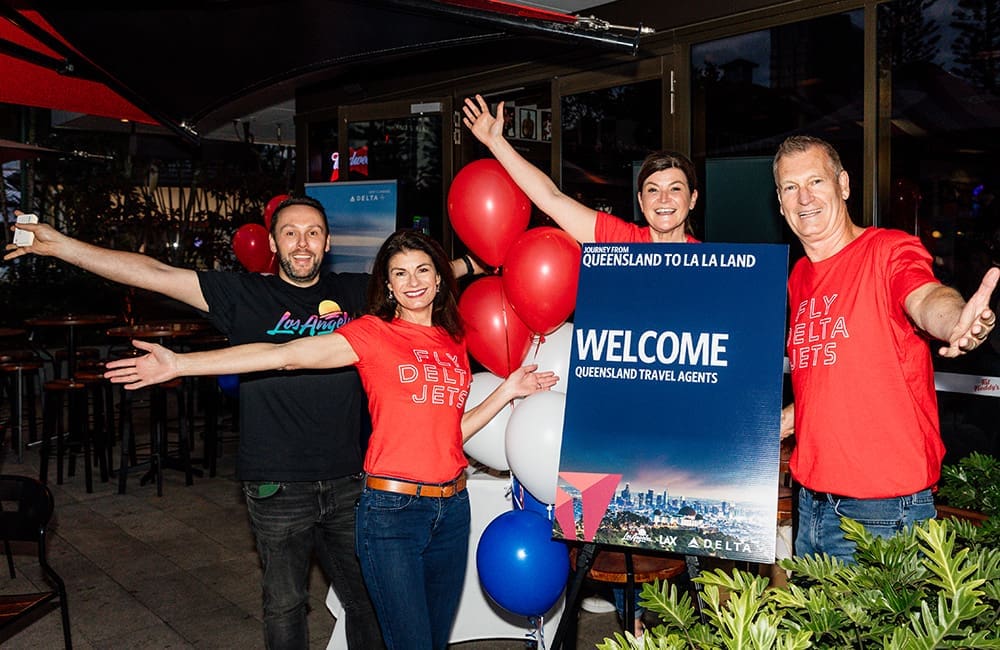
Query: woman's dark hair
{"type": "Point", "coordinates": [445, 312]}
{"type": "Point", "coordinates": [661, 160]}
{"type": "Point", "coordinates": [296, 200]}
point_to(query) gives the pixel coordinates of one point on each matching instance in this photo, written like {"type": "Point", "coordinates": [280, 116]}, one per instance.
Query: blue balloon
{"type": "Point", "coordinates": [523, 500]}
{"type": "Point", "coordinates": [521, 568]}
{"type": "Point", "coordinates": [230, 385]}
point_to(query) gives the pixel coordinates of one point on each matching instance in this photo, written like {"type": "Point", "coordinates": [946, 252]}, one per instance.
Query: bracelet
{"type": "Point", "coordinates": [468, 265]}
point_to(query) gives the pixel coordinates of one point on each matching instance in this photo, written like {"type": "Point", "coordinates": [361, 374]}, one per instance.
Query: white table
{"type": "Point", "coordinates": [478, 616]}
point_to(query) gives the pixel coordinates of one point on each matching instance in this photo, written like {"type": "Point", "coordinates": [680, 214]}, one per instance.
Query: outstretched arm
{"type": "Point", "coordinates": [522, 382]}
{"type": "Point", "coordinates": [160, 365]}
{"type": "Point", "coordinates": [127, 268]}
{"type": "Point", "coordinates": [941, 312]}
{"type": "Point", "coordinates": [571, 215]}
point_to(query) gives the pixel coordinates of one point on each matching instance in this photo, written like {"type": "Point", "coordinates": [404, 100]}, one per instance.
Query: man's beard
{"type": "Point", "coordinates": [289, 268]}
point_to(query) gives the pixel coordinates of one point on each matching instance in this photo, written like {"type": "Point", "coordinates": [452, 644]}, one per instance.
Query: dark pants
{"type": "Point", "coordinates": [413, 553]}
{"type": "Point", "coordinates": [300, 518]}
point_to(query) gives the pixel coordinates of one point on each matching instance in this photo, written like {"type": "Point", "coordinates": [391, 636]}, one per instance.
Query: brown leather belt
{"type": "Point", "coordinates": [436, 490]}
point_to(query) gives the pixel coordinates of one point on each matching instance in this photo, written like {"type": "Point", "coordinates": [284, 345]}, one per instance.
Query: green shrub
{"type": "Point", "coordinates": [936, 585]}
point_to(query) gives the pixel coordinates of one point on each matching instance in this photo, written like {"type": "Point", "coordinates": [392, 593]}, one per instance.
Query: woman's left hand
{"type": "Point", "coordinates": [527, 380]}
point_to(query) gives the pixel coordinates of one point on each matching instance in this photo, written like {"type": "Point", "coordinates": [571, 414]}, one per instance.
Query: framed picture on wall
{"type": "Point", "coordinates": [545, 126]}
{"type": "Point", "coordinates": [527, 120]}
{"type": "Point", "coordinates": [509, 121]}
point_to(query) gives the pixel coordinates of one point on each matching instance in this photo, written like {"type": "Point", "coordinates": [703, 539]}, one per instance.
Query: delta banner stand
{"type": "Point", "coordinates": [673, 403]}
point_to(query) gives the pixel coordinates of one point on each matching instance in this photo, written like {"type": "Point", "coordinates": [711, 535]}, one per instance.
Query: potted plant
{"type": "Point", "coordinates": [933, 586]}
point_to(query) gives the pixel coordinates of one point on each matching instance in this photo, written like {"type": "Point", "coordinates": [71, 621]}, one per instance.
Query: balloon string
{"type": "Point", "coordinates": [536, 342]}
{"type": "Point", "coordinates": [537, 632]}
{"type": "Point", "coordinates": [506, 333]}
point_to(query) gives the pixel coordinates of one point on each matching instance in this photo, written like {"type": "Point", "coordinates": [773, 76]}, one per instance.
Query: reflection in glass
{"type": "Point", "coordinates": [753, 90]}
{"type": "Point", "coordinates": [407, 149]}
{"type": "Point", "coordinates": [945, 118]}
{"type": "Point", "coordinates": [603, 133]}
{"type": "Point", "coordinates": [322, 151]}
{"type": "Point", "coordinates": [941, 59]}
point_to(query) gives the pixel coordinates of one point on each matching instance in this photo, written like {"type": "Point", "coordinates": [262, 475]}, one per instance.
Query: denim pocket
{"type": "Point", "coordinates": [387, 501]}
{"type": "Point", "coordinates": [258, 490]}
{"type": "Point", "coordinates": [872, 513]}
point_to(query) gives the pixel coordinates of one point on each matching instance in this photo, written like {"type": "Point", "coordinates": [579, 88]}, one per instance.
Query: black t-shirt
{"type": "Point", "coordinates": [294, 426]}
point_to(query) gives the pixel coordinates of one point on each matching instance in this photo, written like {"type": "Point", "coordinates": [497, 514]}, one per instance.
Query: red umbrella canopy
{"type": "Point", "coordinates": [40, 68]}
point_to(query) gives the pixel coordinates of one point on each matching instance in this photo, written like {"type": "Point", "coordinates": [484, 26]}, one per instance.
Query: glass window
{"type": "Point", "coordinates": [407, 149]}
{"type": "Point", "coordinates": [606, 134]}
{"type": "Point", "coordinates": [322, 151]}
{"type": "Point", "coordinates": [943, 128]}
{"type": "Point", "coordinates": [753, 90]}
{"type": "Point", "coordinates": [527, 123]}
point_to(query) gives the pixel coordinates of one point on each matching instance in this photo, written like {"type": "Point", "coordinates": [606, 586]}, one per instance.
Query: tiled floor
{"type": "Point", "coordinates": [177, 571]}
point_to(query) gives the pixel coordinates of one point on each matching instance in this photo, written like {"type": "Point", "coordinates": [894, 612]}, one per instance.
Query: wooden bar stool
{"type": "Point", "coordinates": [76, 435]}
{"type": "Point", "coordinates": [159, 458]}
{"type": "Point", "coordinates": [100, 422]}
{"type": "Point", "coordinates": [81, 355]}
{"type": "Point", "coordinates": [24, 381]}
{"type": "Point", "coordinates": [627, 569]}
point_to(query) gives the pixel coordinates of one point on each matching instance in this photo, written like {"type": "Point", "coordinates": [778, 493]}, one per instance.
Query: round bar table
{"type": "Point", "coordinates": [160, 332]}
{"type": "Point", "coordinates": [71, 322]}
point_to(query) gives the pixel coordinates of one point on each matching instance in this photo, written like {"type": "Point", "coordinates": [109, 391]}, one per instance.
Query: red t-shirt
{"type": "Point", "coordinates": [866, 419]}
{"type": "Point", "coordinates": [609, 229]}
{"type": "Point", "coordinates": [417, 379]}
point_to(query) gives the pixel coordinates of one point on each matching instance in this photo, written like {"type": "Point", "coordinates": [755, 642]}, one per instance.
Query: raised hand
{"type": "Point", "coordinates": [976, 321]}
{"type": "Point", "coordinates": [480, 121]}
{"type": "Point", "coordinates": [46, 241]}
{"type": "Point", "coordinates": [158, 366]}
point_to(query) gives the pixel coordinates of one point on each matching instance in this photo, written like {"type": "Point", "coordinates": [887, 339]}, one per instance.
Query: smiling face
{"type": "Point", "coordinates": [813, 198]}
{"type": "Point", "coordinates": [300, 240]}
{"type": "Point", "coordinates": [665, 199]}
{"type": "Point", "coordinates": [414, 283]}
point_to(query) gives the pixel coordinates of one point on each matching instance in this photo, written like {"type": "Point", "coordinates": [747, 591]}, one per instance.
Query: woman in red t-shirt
{"type": "Point", "coordinates": [413, 517]}
{"type": "Point", "coordinates": [667, 182]}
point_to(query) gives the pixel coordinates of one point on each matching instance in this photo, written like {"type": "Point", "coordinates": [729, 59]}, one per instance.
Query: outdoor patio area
{"type": "Point", "coordinates": [177, 571]}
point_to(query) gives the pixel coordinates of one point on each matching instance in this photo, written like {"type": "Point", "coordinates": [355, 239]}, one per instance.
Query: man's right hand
{"type": "Point", "coordinates": [47, 239]}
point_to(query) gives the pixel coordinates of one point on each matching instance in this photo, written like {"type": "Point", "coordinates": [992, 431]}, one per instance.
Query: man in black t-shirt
{"type": "Point", "coordinates": [300, 456]}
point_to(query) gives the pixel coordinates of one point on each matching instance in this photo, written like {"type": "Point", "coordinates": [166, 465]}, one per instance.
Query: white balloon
{"type": "Point", "coordinates": [534, 439]}
{"type": "Point", "coordinates": [487, 446]}
{"type": "Point", "coordinates": [553, 354]}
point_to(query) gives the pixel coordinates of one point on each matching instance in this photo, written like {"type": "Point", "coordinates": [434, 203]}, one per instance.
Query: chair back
{"type": "Point", "coordinates": [26, 506]}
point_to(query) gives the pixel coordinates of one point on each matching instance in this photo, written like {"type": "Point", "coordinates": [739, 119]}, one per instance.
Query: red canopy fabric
{"type": "Point", "coordinates": [513, 9]}
{"type": "Point", "coordinates": [34, 82]}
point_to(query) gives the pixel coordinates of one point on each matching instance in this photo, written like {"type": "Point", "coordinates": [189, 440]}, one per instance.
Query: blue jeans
{"type": "Point", "coordinates": [819, 520]}
{"type": "Point", "coordinates": [413, 552]}
{"type": "Point", "coordinates": [298, 519]}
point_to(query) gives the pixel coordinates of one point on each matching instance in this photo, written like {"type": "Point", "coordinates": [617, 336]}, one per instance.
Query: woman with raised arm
{"type": "Point", "coordinates": [413, 516]}
{"type": "Point", "coordinates": [667, 182]}
{"type": "Point", "coordinates": [668, 191]}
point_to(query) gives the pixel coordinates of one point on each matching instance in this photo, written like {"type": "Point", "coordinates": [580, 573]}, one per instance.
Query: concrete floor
{"type": "Point", "coordinates": [177, 571]}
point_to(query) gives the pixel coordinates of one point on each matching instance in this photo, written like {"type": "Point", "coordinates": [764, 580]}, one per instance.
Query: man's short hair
{"type": "Point", "coordinates": [800, 144]}
{"type": "Point", "coordinates": [298, 200]}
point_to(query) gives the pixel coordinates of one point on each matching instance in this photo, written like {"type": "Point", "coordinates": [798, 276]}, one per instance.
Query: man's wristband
{"type": "Point", "coordinates": [468, 265]}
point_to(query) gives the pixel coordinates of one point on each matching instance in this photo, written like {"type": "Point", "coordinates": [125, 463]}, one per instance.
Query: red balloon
{"type": "Point", "coordinates": [253, 248]}
{"type": "Point", "coordinates": [271, 206]}
{"type": "Point", "coordinates": [540, 277]}
{"type": "Point", "coordinates": [488, 210]}
{"type": "Point", "coordinates": [496, 337]}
